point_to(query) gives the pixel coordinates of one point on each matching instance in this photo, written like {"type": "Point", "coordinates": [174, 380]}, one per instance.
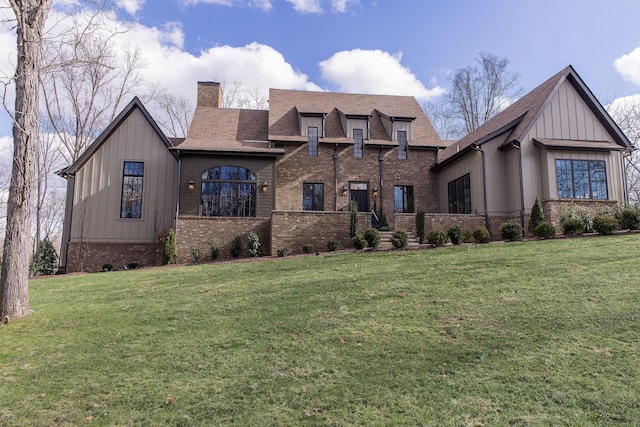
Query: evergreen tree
{"type": "Point", "coordinates": [45, 260]}
{"type": "Point", "coordinates": [537, 216]}
{"type": "Point", "coordinates": [169, 253]}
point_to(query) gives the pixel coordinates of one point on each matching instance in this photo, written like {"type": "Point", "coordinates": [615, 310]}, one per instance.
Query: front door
{"type": "Point", "coordinates": [359, 192]}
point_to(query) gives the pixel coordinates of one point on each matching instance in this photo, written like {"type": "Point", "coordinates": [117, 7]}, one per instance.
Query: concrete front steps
{"type": "Point", "coordinates": [385, 240]}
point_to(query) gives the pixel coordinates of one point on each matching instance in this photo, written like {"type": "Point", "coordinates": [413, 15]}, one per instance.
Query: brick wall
{"type": "Point", "coordinates": [553, 208]}
{"type": "Point", "coordinates": [198, 231]}
{"type": "Point", "coordinates": [439, 222]}
{"type": "Point", "coordinates": [90, 257]}
{"type": "Point", "coordinates": [293, 229]}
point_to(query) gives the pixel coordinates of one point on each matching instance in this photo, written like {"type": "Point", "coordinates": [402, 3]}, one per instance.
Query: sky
{"type": "Point", "coordinates": [403, 47]}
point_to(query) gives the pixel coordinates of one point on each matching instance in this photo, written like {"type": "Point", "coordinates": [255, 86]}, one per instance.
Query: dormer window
{"type": "Point", "coordinates": [402, 145]}
{"type": "Point", "coordinates": [312, 134]}
{"type": "Point", "coordinates": [358, 143]}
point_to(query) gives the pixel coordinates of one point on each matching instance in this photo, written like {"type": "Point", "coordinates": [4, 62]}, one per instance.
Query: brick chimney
{"type": "Point", "coordinates": [209, 94]}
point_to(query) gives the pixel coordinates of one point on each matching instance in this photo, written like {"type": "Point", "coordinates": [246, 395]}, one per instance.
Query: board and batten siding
{"type": "Point", "coordinates": [469, 164]}
{"type": "Point", "coordinates": [98, 186]}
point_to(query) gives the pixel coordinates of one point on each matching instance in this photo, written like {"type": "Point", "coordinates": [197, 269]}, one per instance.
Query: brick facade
{"type": "Point", "coordinates": [91, 256]}
{"type": "Point", "coordinates": [439, 222]}
{"type": "Point", "coordinates": [554, 208]}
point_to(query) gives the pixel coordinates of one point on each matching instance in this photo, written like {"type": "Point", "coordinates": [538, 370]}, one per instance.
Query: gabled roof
{"type": "Point", "coordinates": [227, 130]}
{"type": "Point", "coordinates": [521, 116]}
{"type": "Point", "coordinates": [113, 126]}
{"type": "Point", "coordinates": [285, 106]}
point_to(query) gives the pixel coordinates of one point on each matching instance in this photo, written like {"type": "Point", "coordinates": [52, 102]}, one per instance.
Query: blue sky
{"type": "Point", "coordinates": [406, 47]}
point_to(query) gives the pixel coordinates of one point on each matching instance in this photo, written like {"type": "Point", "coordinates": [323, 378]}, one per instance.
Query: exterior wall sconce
{"type": "Point", "coordinates": [265, 186]}
{"type": "Point", "coordinates": [344, 190]}
{"type": "Point", "coordinates": [374, 192]}
{"type": "Point", "coordinates": [191, 185]}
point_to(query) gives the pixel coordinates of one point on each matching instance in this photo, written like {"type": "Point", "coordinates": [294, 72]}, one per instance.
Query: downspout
{"type": "Point", "coordinates": [517, 147]}
{"type": "Point", "coordinates": [67, 225]}
{"type": "Point", "coordinates": [380, 192]}
{"type": "Point", "coordinates": [335, 178]}
{"type": "Point", "coordinates": [484, 186]}
{"type": "Point", "coordinates": [626, 181]}
{"type": "Point", "coordinates": [175, 226]}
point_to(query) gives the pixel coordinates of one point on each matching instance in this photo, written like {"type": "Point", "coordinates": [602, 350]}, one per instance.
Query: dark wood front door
{"type": "Point", "coordinates": [359, 192]}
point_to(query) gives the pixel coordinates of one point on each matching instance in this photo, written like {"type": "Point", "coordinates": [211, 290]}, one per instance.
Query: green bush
{"type": "Point", "coordinates": [399, 239]}
{"type": "Point", "coordinates": [283, 252]}
{"type": "Point", "coordinates": [456, 235]}
{"type": "Point", "coordinates": [215, 249]}
{"type": "Point", "coordinates": [511, 231]}
{"type": "Point", "coordinates": [437, 238]}
{"type": "Point", "coordinates": [253, 244]}
{"type": "Point", "coordinates": [196, 254]}
{"type": "Point", "coordinates": [573, 225]}
{"type": "Point", "coordinates": [358, 242]}
{"type": "Point", "coordinates": [604, 224]}
{"type": "Point", "coordinates": [467, 236]}
{"type": "Point", "coordinates": [333, 245]}
{"type": "Point", "coordinates": [573, 213]}
{"type": "Point", "coordinates": [353, 219]}
{"type": "Point", "coordinates": [236, 246]}
{"type": "Point", "coordinates": [131, 266]}
{"type": "Point", "coordinates": [307, 249]}
{"type": "Point", "coordinates": [482, 235]}
{"type": "Point", "coordinates": [169, 252]}
{"type": "Point", "coordinates": [372, 237]}
{"type": "Point", "coordinates": [45, 260]}
{"type": "Point", "coordinates": [537, 216]}
{"type": "Point", "coordinates": [107, 267]}
{"type": "Point", "coordinates": [545, 230]}
{"type": "Point", "coordinates": [420, 225]}
{"type": "Point", "coordinates": [628, 216]}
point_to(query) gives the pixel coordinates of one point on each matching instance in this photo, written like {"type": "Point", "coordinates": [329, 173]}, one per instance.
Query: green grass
{"type": "Point", "coordinates": [536, 333]}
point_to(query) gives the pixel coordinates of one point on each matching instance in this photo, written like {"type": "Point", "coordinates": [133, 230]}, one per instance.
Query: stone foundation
{"type": "Point", "coordinates": [90, 257]}
{"type": "Point", "coordinates": [553, 209]}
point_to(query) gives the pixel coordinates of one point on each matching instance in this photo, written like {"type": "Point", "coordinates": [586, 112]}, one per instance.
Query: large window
{"type": "Point", "coordinates": [312, 134]}
{"type": "Point", "coordinates": [402, 144]}
{"type": "Point", "coordinates": [228, 191]}
{"type": "Point", "coordinates": [131, 201]}
{"type": "Point", "coordinates": [403, 198]}
{"type": "Point", "coordinates": [313, 196]}
{"type": "Point", "coordinates": [460, 195]}
{"type": "Point", "coordinates": [581, 179]}
{"type": "Point", "coordinates": [358, 143]}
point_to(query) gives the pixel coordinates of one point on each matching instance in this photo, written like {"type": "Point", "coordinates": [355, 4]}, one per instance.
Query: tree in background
{"type": "Point", "coordinates": [45, 260]}
{"type": "Point", "coordinates": [477, 94]}
{"type": "Point", "coordinates": [626, 112]}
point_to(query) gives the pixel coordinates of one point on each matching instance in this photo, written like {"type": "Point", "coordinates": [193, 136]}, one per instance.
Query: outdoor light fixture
{"type": "Point", "coordinates": [265, 186]}
{"type": "Point", "coordinates": [344, 190]}
{"type": "Point", "coordinates": [191, 185]}
{"type": "Point", "coordinates": [374, 192]}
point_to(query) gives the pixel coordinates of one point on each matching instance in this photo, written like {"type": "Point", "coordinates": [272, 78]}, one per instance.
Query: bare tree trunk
{"type": "Point", "coordinates": [14, 277]}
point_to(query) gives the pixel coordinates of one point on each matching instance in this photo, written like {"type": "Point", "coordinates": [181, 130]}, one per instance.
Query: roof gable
{"type": "Point", "coordinates": [135, 104]}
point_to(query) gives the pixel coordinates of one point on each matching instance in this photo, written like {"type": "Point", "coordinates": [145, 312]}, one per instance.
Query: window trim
{"type": "Point", "coordinates": [589, 176]}
{"type": "Point", "coordinates": [408, 203]}
{"type": "Point", "coordinates": [454, 202]}
{"type": "Point", "coordinates": [403, 145]}
{"type": "Point", "coordinates": [312, 143]}
{"type": "Point", "coordinates": [358, 144]}
{"type": "Point", "coordinates": [314, 185]}
{"type": "Point", "coordinates": [122, 188]}
{"type": "Point", "coordinates": [237, 183]}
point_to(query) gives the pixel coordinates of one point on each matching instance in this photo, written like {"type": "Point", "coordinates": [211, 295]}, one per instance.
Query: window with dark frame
{"type": "Point", "coordinates": [358, 143]}
{"type": "Point", "coordinates": [313, 196]}
{"type": "Point", "coordinates": [312, 134]}
{"type": "Point", "coordinates": [581, 179]}
{"type": "Point", "coordinates": [228, 191]}
{"type": "Point", "coordinates": [460, 195]}
{"type": "Point", "coordinates": [403, 199]}
{"type": "Point", "coordinates": [132, 180]}
{"type": "Point", "coordinates": [402, 145]}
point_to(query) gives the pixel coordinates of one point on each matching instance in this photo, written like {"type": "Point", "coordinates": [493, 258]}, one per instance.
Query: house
{"type": "Point", "coordinates": [290, 173]}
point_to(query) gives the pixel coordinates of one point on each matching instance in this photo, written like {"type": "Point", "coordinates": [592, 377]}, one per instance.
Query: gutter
{"type": "Point", "coordinates": [476, 147]}
{"type": "Point", "coordinates": [519, 148]}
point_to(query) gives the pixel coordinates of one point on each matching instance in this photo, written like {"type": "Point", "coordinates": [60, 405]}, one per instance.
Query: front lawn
{"type": "Point", "coordinates": [526, 333]}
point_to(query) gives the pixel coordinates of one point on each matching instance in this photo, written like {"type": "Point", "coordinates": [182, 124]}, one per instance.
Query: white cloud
{"type": "Point", "coordinates": [131, 6]}
{"type": "Point", "coordinates": [629, 66]}
{"type": "Point", "coordinates": [306, 6]}
{"type": "Point", "coordinates": [374, 71]}
{"type": "Point", "coordinates": [260, 4]}
{"type": "Point", "coordinates": [341, 6]}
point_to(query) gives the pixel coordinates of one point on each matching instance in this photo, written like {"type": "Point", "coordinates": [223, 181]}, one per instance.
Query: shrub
{"type": "Point", "coordinates": [482, 235]}
{"type": "Point", "coordinates": [628, 216]}
{"type": "Point", "coordinates": [283, 252]}
{"type": "Point", "coordinates": [537, 216]}
{"type": "Point", "coordinates": [604, 224]}
{"type": "Point", "coordinates": [383, 222]}
{"type": "Point", "coordinates": [420, 225]}
{"type": "Point", "coordinates": [45, 260]}
{"type": "Point", "coordinates": [196, 254]}
{"type": "Point", "coordinates": [573, 213]}
{"type": "Point", "coordinates": [437, 238]}
{"type": "Point", "coordinates": [456, 235]}
{"type": "Point", "coordinates": [333, 245]}
{"type": "Point", "coordinates": [573, 226]}
{"type": "Point", "coordinates": [353, 219]}
{"type": "Point", "coordinates": [545, 230]}
{"type": "Point", "coordinates": [253, 244]}
{"type": "Point", "coordinates": [131, 266]}
{"type": "Point", "coordinates": [511, 231]}
{"type": "Point", "coordinates": [169, 253]}
{"type": "Point", "coordinates": [358, 242]}
{"type": "Point", "coordinates": [467, 236]}
{"type": "Point", "coordinates": [399, 239]}
{"type": "Point", "coordinates": [107, 267]}
{"type": "Point", "coordinates": [307, 249]}
{"type": "Point", "coordinates": [236, 246]}
{"type": "Point", "coordinates": [215, 249]}
{"type": "Point", "coordinates": [372, 237]}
